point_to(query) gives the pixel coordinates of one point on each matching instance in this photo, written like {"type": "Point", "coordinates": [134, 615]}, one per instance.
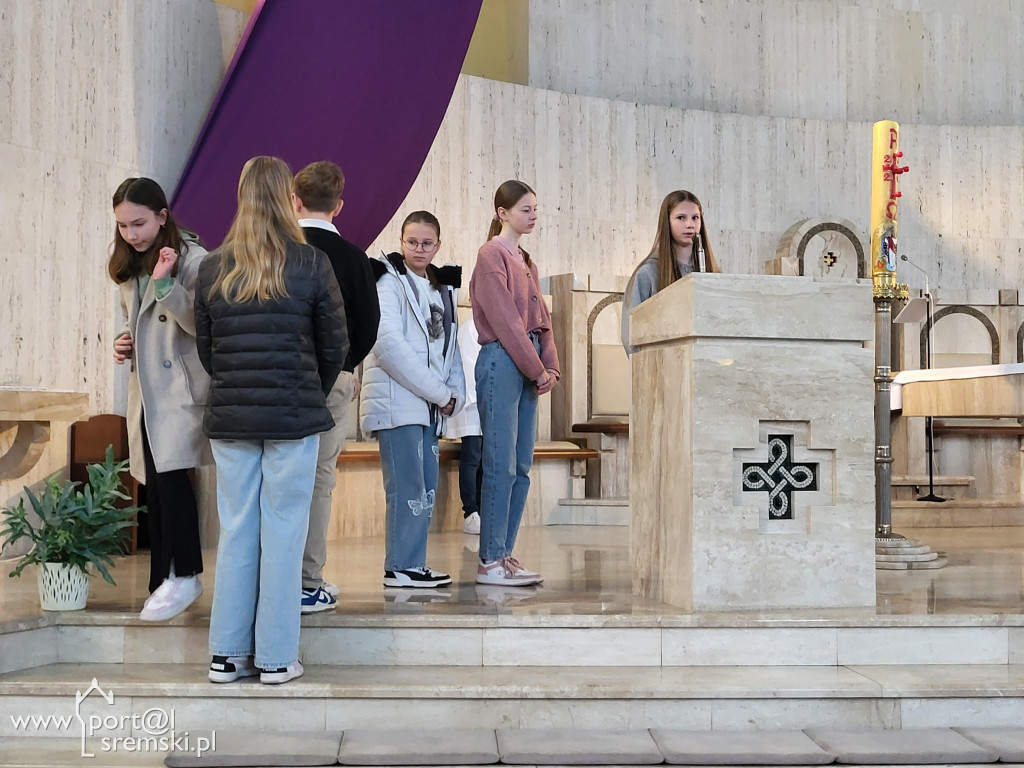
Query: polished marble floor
{"type": "Point", "coordinates": [587, 573]}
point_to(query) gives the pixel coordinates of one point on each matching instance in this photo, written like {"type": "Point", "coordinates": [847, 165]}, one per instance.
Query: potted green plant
{"type": "Point", "coordinates": [76, 527]}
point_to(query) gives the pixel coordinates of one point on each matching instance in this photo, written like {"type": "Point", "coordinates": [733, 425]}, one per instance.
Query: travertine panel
{"type": "Point", "coordinates": [91, 93]}
{"type": "Point", "coordinates": [917, 60]}
{"type": "Point", "coordinates": [601, 168]}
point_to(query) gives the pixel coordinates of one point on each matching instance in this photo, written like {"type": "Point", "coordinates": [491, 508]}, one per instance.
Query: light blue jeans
{"type": "Point", "coordinates": [408, 459]}
{"type": "Point", "coordinates": [264, 488]}
{"type": "Point", "coordinates": [508, 418]}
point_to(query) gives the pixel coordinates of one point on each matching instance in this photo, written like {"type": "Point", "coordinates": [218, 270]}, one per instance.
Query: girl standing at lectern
{"type": "Point", "coordinates": [681, 247]}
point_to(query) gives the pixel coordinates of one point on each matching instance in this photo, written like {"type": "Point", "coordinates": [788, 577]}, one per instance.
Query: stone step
{"type": "Point", "coordinates": [911, 556]}
{"type": "Point", "coordinates": [590, 512]}
{"type": "Point", "coordinates": [508, 640]}
{"type": "Point", "coordinates": [896, 543]}
{"type": "Point", "coordinates": [702, 698]}
{"type": "Point", "coordinates": [958, 513]}
{"type": "Point", "coordinates": [544, 746]}
{"type": "Point", "coordinates": [919, 549]}
{"type": "Point", "coordinates": [609, 502]}
{"type": "Point", "coordinates": [920, 565]}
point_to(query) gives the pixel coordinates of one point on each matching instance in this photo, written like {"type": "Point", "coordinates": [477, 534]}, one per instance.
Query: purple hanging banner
{"type": "Point", "coordinates": [363, 84]}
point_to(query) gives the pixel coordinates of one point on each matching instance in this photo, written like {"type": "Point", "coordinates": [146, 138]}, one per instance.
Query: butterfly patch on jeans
{"type": "Point", "coordinates": [424, 503]}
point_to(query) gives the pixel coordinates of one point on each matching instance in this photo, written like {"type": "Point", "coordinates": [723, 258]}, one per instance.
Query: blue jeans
{"type": "Point", "coordinates": [264, 488]}
{"type": "Point", "coordinates": [471, 474]}
{"type": "Point", "coordinates": [408, 459]}
{"type": "Point", "coordinates": [508, 414]}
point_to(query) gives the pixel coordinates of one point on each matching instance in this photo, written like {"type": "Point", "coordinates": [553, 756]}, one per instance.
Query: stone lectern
{"type": "Point", "coordinates": [752, 444]}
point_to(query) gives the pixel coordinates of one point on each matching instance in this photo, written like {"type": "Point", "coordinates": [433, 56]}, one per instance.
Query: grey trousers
{"type": "Point", "coordinates": [331, 442]}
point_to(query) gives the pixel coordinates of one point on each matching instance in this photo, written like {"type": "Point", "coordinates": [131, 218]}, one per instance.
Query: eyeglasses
{"type": "Point", "coordinates": [415, 245]}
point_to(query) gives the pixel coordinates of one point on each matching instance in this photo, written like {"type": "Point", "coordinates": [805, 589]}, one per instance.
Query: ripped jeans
{"type": "Point", "coordinates": [408, 458]}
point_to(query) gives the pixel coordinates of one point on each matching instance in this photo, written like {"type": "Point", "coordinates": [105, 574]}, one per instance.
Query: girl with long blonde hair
{"type": "Point", "coordinates": [680, 248]}
{"type": "Point", "coordinates": [271, 332]}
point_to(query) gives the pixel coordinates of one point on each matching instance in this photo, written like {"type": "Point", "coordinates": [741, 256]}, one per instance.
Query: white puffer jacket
{"type": "Point", "coordinates": [399, 386]}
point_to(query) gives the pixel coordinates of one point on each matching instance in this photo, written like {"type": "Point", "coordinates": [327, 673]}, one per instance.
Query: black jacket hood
{"type": "Point", "coordinates": [450, 275]}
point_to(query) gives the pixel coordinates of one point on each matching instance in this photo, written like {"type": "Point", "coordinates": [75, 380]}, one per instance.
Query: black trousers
{"type": "Point", "coordinates": [173, 521]}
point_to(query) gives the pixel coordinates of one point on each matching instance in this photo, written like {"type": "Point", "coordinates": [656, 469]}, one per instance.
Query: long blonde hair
{"type": "Point", "coordinates": [252, 264]}
{"type": "Point", "coordinates": [668, 269]}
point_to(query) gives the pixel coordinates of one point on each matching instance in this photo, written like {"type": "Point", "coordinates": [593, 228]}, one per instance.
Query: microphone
{"type": "Point", "coordinates": [701, 266]}
{"type": "Point", "coordinates": [905, 258]}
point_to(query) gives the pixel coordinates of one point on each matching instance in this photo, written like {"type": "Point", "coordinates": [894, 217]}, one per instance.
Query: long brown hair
{"type": "Point", "coordinates": [125, 262]}
{"type": "Point", "coordinates": [253, 252]}
{"type": "Point", "coordinates": [668, 269]}
{"type": "Point", "coordinates": [508, 194]}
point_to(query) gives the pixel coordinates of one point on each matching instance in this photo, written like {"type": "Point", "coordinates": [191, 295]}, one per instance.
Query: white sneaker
{"type": "Point", "coordinates": [504, 573]}
{"type": "Point", "coordinates": [331, 589]}
{"type": "Point", "coordinates": [160, 593]}
{"type": "Point", "coordinates": [182, 592]}
{"type": "Point", "coordinates": [227, 669]}
{"type": "Point", "coordinates": [281, 674]}
{"type": "Point", "coordinates": [472, 524]}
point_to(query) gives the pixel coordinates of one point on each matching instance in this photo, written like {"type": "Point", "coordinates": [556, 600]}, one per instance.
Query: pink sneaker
{"type": "Point", "coordinates": [506, 573]}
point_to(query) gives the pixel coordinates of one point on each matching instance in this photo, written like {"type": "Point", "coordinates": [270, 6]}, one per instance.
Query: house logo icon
{"type": "Point", "coordinates": [80, 697]}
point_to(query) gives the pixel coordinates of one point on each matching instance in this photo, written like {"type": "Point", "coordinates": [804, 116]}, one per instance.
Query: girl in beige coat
{"type": "Point", "coordinates": [155, 265]}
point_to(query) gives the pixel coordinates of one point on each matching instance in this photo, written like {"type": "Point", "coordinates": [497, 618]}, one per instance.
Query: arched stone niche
{"type": "Point", "coordinates": [608, 372]}
{"type": "Point", "coordinates": [962, 343]}
{"type": "Point", "coordinates": [827, 249]}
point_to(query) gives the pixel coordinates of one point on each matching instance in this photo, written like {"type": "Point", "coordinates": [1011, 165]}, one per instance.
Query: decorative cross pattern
{"type": "Point", "coordinates": [780, 477]}
{"type": "Point", "coordinates": [830, 259]}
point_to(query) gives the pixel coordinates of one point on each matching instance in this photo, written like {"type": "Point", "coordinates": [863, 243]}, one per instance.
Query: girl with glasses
{"type": "Point", "coordinates": [517, 363]}
{"type": "Point", "coordinates": [680, 247]}
{"type": "Point", "coordinates": [412, 382]}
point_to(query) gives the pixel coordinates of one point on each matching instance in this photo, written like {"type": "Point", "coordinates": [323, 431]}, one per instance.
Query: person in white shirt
{"type": "Point", "coordinates": [465, 425]}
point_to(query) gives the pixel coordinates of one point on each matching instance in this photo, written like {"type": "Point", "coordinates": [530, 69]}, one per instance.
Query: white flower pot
{"type": "Point", "coordinates": [62, 587]}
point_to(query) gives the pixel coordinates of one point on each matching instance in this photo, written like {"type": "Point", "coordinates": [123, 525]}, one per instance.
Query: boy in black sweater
{"type": "Point", "coordinates": [316, 196]}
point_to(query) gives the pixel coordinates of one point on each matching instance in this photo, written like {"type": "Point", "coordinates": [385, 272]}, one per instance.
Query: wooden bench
{"type": "Point", "coordinates": [908, 487]}
{"type": "Point", "coordinates": [357, 452]}
{"type": "Point", "coordinates": [945, 481]}
{"type": "Point", "coordinates": [559, 471]}
{"type": "Point", "coordinates": [978, 430]}
{"type": "Point", "coordinates": [608, 476]}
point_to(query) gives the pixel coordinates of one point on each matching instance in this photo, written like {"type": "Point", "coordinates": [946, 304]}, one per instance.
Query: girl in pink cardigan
{"type": "Point", "coordinates": [517, 364]}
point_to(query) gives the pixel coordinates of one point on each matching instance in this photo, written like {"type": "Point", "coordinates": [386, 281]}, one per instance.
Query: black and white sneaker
{"type": "Point", "coordinates": [227, 669]}
{"type": "Point", "coordinates": [416, 577]}
{"type": "Point", "coordinates": [281, 674]}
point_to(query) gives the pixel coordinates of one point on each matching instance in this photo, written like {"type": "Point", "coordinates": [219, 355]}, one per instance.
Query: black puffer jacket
{"type": "Point", "coordinates": [272, 364]}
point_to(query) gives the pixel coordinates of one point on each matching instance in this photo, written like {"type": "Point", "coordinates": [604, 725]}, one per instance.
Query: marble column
{"type": "Point", "coordinates": [752, 444]}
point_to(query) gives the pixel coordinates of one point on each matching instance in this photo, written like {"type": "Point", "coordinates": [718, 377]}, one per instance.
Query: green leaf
{"type": "Point", "coordinates": [68, 522]}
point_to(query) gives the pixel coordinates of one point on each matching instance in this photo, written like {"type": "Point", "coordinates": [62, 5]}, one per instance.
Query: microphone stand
{"type": "Point", "coordinates": [927, 364]}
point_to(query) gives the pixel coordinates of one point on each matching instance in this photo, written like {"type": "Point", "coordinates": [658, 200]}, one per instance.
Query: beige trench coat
{"type": "Point", "coordinates": [167, 379]}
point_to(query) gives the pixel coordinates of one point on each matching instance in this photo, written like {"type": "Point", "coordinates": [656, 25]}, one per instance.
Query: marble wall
{"type": "Point", "coordinates": [920, 61]}
{"type": "Point", "coordinates": [90, 93]}
{"type": "Point", "coordinates": [601, 167]}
